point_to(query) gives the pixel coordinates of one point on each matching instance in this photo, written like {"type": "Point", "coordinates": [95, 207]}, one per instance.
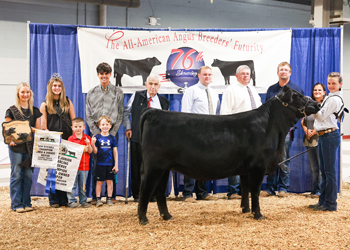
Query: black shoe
{"type": "Point", "coordinates": [321, 208]}
{"type": "Point", "coordinates": [315, 205]}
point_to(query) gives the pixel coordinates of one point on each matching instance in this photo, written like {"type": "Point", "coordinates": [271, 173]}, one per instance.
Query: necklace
{"type": "Point", "coordinates": [25, 116]}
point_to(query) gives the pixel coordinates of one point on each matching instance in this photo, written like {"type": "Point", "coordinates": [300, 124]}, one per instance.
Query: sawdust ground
{"type": "Point", "coordinates": [220, 224]}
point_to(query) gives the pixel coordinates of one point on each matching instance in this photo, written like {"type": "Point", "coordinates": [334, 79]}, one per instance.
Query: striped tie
{"type": "Point", "coordinates": [210, 104]}
{"type": "Point", "coordinates": [251, 98]}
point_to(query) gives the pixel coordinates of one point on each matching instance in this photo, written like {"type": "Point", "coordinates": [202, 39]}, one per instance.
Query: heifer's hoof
{"type": "Point", "coordinates": [144, 222]}
{"type": "Point", "coordinates": [259, 217]}
{"type": "Point", "coordinates": [167, 217]}
{"type": "Point", "coordinates": [246, 210]}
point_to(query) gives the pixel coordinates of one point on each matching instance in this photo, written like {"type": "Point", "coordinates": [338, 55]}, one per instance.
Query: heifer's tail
{"type": "Point", "coordinates": [144, 114]}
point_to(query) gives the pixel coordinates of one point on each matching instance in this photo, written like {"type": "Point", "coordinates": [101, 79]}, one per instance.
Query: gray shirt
{"type": "Point", "coordinates": [101, 102]}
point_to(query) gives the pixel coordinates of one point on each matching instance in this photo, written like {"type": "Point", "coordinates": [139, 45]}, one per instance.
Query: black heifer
{"type": "Point", "coordinates": [134, 68]}
{"type": "Point", "coordinates": [209, 147]}
{"type": "Point", "coordinates": [228, 68]}
{"type": "Point", "coordinates": [10, 131]}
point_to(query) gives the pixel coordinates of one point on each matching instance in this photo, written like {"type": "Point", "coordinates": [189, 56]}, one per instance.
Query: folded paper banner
{"type": "Point", "coordinates": [46, 149]}
{"type": "Point", "coordinates": [67, 166]}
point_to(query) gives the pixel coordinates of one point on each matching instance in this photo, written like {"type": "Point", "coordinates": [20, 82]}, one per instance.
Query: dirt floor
{"type": "Point", "coordinates": [219, 224]}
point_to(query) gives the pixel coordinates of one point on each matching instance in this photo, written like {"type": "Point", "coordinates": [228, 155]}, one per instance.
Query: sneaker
{"type": "Point", "coordinates": [73, 205]}
{"type": "Point", "coordinates": [189, 199]}
{"type": "Point", "coordinates": [234, 196]}
{"type": "Point", "coordinates": [93, 202]}
{"type": "Point", "coordinates": [282, 194]}
{"type": "Point", "coordinates": [99, 203]}
{"type": "Point", "coordinates": [28, 209]}
{"type": "Point", "coordinates": [110, 202]}
{"type": "Point", "coordinates": [179, 198]}
{"type": "Point", "coordinates": [55, 205]}
{"type": "Point", "coordinates": [265, 194]}
{"type": "Point", "coordinates": [209, 198]}
{"type": "Point", "coordinates": [20, 210]}
{"type": "Point", "coordinates": [85, 205]}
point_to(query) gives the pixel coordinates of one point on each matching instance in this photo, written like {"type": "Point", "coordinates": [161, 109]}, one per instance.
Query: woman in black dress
{"type": "Point", "coordinates": [58, 112]}
{"type": "Point", "coordinates": [20, 155]}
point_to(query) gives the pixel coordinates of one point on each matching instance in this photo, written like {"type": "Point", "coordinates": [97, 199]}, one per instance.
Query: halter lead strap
{"type": "Point", "coordinates": [301, 110]}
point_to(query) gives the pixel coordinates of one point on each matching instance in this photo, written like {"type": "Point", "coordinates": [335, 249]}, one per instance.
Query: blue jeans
{"type": "Point", "coordinates": [315, 170]}
{"type": "Point", "coordinates": [328, 145]}
{"type": "Point", "coordinates": [234, 185]}
{"type": "Point", "coordinates": [80, 180]}
{"type": "Point", "coordinates": [20, 181]}
{"type": "Point", "coordinates": [280, 179]}
{"type": "Point", "coordinates": [200, 188]}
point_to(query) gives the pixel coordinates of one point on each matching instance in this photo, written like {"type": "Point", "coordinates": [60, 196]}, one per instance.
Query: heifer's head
{"type": "Point", "coordinates": [302, 105]}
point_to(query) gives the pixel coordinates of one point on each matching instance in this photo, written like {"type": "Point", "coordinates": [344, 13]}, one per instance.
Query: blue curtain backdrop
{"type": "Point", "coordinates": [54, 49]}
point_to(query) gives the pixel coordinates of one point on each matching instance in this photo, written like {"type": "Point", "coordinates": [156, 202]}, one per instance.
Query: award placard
{"type": "Point", "coordinates": [16, 131]}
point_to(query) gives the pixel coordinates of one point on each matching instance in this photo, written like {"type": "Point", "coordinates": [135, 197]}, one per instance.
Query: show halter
{"type": "Point", "coordinates": [301, 110]}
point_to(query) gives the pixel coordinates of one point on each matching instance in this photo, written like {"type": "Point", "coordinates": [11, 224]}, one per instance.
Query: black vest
{"type": "Point", "coordinates": [139, 104]}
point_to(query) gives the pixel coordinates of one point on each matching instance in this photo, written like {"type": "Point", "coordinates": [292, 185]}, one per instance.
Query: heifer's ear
{"type": "Point", "coordinates": [286, 94]}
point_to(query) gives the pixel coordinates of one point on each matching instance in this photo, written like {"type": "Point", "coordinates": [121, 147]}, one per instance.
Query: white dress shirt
{"type": "Point", "coordinates": [195, 100]}
{"type": "Point", "coordinates": [325, 119]}
{"type": "Point", "coordinates": [236, 99]}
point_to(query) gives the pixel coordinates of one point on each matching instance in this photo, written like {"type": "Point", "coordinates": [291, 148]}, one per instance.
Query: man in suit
{"type": "Point", "coordinates": [138, 102]}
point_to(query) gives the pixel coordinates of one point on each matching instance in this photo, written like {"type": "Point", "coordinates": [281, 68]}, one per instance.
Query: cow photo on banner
{"type": "Point", "coordinates": [67, 166]}
{"type": "Point", "coordinates": [176, 56]}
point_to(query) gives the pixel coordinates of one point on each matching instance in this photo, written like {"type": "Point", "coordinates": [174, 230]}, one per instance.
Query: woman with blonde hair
{"type": "Point", "coordinates": [20, 155]}
{"type": "Point", "coordinates": [58, 113]}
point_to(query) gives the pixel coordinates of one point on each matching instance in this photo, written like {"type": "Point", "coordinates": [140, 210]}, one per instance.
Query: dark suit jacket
{"type": "Point", "coordinates": [139, 104]}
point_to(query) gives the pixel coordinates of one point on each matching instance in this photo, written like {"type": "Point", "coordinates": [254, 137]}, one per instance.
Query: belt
{"type": "Point", "coordinates": [322, 132]}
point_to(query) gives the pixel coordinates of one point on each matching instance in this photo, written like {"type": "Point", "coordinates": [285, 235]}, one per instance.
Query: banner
{"type": "Point", "coordinates": [46, 148]}
{"type": "Point", "coordinates": [176, 56]}
{"type": "Point", "coordinates": [67, 167]}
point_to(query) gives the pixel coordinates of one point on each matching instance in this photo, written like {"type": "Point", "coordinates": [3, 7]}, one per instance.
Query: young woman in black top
{"type": "Point", "coordinates": [20, 155]}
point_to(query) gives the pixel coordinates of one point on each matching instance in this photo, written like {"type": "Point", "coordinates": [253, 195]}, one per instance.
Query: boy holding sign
{"type": "Point", "coordinates": [78, 126]}
{"type": "Point", "coordinates": [105, 146]}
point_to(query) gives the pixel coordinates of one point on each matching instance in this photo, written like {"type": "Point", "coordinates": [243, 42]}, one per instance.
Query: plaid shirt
{"type": "Point", "coordinates": [101, 102]}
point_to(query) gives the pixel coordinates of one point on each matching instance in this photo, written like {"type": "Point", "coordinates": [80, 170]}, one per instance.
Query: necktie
{"type": "Point", "coordinates": [149, 102]}
{"type": "Point", "coordinates": [210, 104]}
{"type": "Point", "coordinates": [251, 98]}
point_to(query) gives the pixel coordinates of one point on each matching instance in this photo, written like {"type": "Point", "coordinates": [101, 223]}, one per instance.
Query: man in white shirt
{"type": "Point", "coordinates": [239, 97]}
{"type": "Point", "coordinates": [200, 99]}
